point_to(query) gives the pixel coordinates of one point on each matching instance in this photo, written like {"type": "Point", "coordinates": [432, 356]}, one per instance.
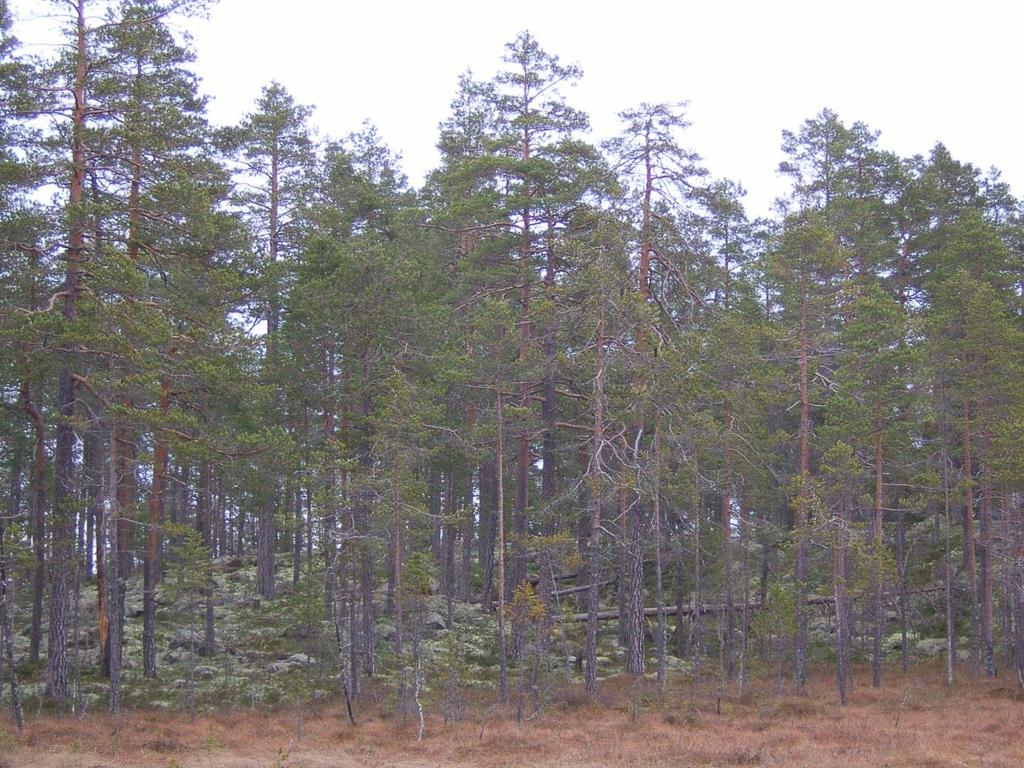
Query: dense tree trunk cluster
{"type": "Point", "coordinates": [560, 382]}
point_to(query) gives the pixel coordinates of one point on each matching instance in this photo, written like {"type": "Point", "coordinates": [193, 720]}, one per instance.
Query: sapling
{"type": "Point", "coordinates": [191, 579]}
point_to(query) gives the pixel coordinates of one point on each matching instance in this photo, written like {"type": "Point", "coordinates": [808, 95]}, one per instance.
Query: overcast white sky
{"type": "Point", "coordinates": [919, 72]}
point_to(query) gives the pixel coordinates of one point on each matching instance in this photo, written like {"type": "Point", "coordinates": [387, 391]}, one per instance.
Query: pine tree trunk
{"type": "Point", "coordinates": [266, 537]}
{"type": "Point", "coordinates": [396, 557]}
{"type": "Point", "coordinates": [91, 494]}
{"type": "Point", "coordinates": [596, 494]}
{"type": "Point", "coordinates": [366, 588]}
{"type": "Point", "coordinates": [947, 517]}
{"type": "Point", "coordinates": [679, 633]}
{"type": "Point", "coordinates": [549, 410]}
{"type": "Point", "coordinates": [593, 569]}
{"type": "Point", "coordinates": [450, 527]}
{"type": "Point", "coordinates": [363, 504]}
{"type": "Point", "coordinates": [696, 640]}
{"type": "Point", "coordinates": [37, 499]}
{"type": "Point", "coordinates": [1017, 577]}
{"type": "Point", "coordinates": [986, 540]}
{"type": "Point", "coordinates": [622, 544]}
{"type": "Point", "coordinates": [468, 530]}
{"type": "Point", "coordinates": [520, 523]}
{"type": "Point", "coordinates": [274, 232]}
{"type": "Point", "coordinates": [800, 643]}
{"type": "Point", "coordinates": [659, 595]}
{"type": "Point", "coordinates": [839, 544]}
{"type": "Point", "coordinates": [499, 483]}
{"type": "Point", "coordinates": [6, 626]}
{"type": "Point", "coordinates": [125, 489]}
{"type": "Point", "coordinates": [115, 585]}
{"type": "Point", "coordinates": [727, 553]}
{"type": "Point", "coordinates": [877, 543]}
{"type": "Point", "coordinates": [488, 532]}
{"type": "Point", "coordinates": [221, 504]}
{"type": "Point", "coordinates": [101, 525]}
{"type": "Point", "coordinates": [330, 519]}
{"type": "Point", "coordinates": [745, 577]}
{"type": "Point", "coordinates": [205, 514]}
{"type": "Point", "coordinates": [520, 512]}
{"type": "Point", "coordinates": [297, 526]}
{"type": "Point", "coordinates": [970, 559]}
{"type": "Point", "coordinates": [150, 574]}
{"type": "Point", "coordinates": [635, 636]}
{"type": "Point", "coordinates": [240, 519]}
{"type": "Point", "coordinates": [354, 628]}
{"type": "Point", "coordinates": [62, 552]}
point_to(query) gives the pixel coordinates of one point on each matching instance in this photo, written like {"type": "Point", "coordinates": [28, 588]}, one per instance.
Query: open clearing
{"type": "Point", "coordinates": [912, 721]}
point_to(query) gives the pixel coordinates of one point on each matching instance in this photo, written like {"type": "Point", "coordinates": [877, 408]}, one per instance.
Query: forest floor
{"type": "Point", "coordinates": [914, 720]}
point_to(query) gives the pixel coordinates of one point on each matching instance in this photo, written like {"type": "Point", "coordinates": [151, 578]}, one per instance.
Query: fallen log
{"type": "Point", "coordinates": [572, 590]}
{"type": "Point", "coordinates": [711, 608]}
{"type": "Point", "coordinates": [575, 575]}
{"type": "Point", "coordinates": [584, 588]}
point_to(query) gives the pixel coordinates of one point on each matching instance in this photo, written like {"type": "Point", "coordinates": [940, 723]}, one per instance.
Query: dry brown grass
{"type": "Point", "coordinates": [912, 721]}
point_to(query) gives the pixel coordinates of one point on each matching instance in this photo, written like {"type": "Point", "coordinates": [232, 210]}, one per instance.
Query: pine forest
{"type": "Point", "coordinates": [563, 429]}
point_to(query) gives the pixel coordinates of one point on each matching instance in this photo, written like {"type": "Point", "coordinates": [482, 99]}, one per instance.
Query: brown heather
{"type": "Point", "coordinates": [914, 721]}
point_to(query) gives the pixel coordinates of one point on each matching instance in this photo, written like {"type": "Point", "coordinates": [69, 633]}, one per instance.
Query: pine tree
{"type": "Point", "coordinates": [272, 149]}
{"type": "Point", "coordinates": [806, 263]}
{"type": "Point", "coordinates": [868, 410]}
{"type": "Point", "coordinates": [649, 156]}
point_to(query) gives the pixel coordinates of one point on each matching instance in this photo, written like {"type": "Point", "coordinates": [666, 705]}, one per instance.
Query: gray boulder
{"type": "Point", "coordinates": [295, 661]}
{"type": "Point", "coordinates": [434, 621]}
{"type": "Point", "coordinates": [187, 639]}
